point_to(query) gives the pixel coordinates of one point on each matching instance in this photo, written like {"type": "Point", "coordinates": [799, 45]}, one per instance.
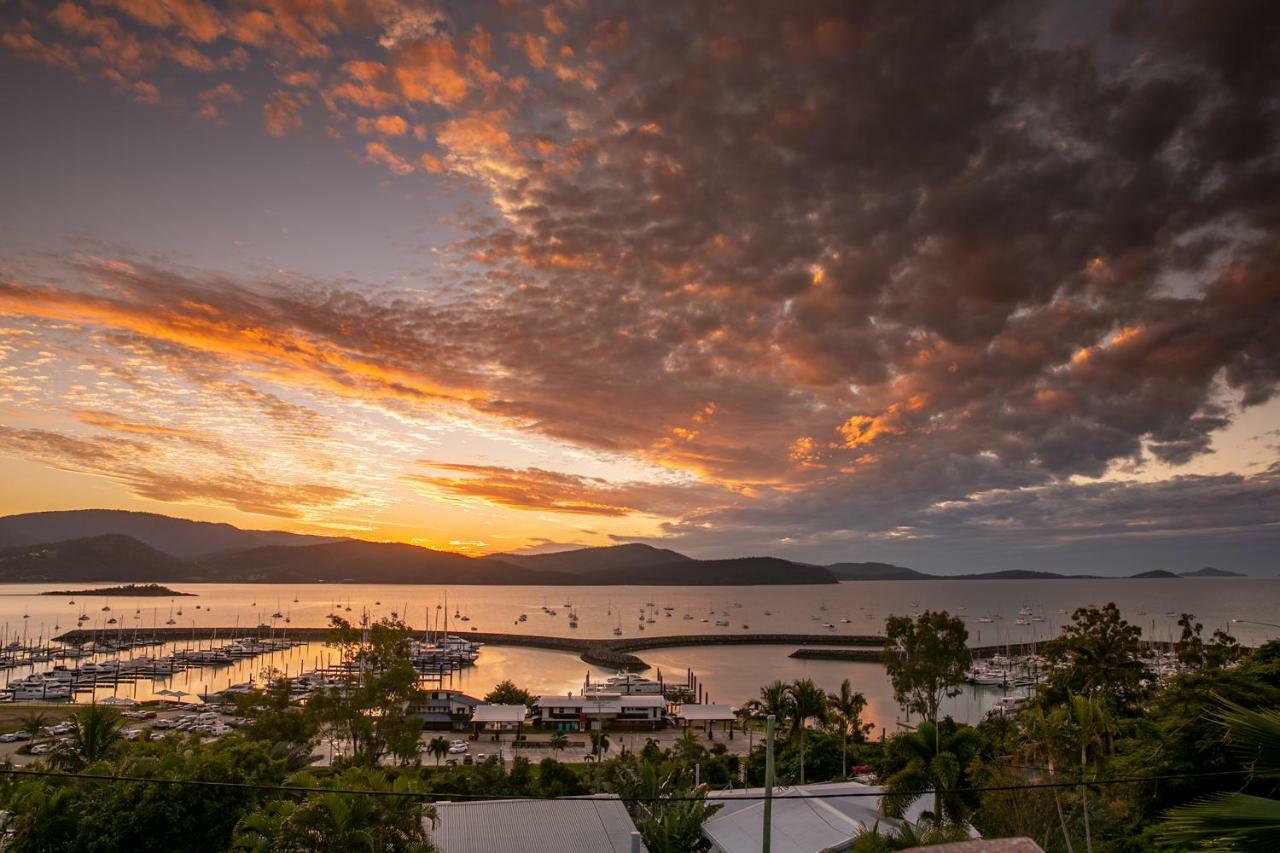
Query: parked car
{"type": "Point", "coordinates": [9, 737]}
{"type": "Point", "coordinates": [42, 748]}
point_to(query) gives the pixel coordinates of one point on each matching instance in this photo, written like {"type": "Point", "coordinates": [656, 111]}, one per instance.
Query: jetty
{"type": "Point", "coordinates": [614, 652]}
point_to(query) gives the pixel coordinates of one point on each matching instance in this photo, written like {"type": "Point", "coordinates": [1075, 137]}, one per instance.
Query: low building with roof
{"type": "Point", "coordinates": [805, 819]}
{"type": "Point", "coordinates": [602, 711]}
{"type": "Point", "coordinates": [584, 825]}
{"type": "Point", "coordinates": [498, 718]}
{"type": "Point", "coordinates": [445, 710]}
{"type": "Point", "coordinates": [705, 717]}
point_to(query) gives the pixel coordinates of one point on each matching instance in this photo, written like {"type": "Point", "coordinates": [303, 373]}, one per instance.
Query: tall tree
{"type": "Point", "coordinates": [1091, 727]}
{"type": "Point", "coordinates": [1045, 734]}
{"type": "Point", "coordinates": [506, 693]}
{"type": "Point", "coordinates": [96, 736]}
{"type": "Point", "coordinates": [1098, 654]}
{"type": "Point", "coordinates": [934, 756]}
{"type": "Point", "coordinates": [369, 710]}
{"type": "Point", "coordinates": [438, 746]}
{"type": "Point", "coordinates": [847, 706]}
{"type": "Point", "coordinates": [926, 660]}
{"type": "Point", "coordinates": [808, 702]}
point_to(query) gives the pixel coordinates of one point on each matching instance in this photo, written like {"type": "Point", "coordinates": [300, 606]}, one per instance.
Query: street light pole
{"type": "Point", "coordinates": [1254, 622]}
{"type": "Point", "coordinates": [767, 841]}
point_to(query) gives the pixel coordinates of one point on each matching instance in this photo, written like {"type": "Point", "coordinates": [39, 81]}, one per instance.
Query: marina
{"type": "Point", "coordinates": [826, 633]}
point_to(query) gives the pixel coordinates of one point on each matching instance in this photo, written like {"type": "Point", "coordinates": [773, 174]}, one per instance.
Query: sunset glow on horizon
{"type": "Point", "coordinates": [964, 288]}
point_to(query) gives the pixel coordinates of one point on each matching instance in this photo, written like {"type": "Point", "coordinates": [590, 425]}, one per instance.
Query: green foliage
{"type": "Point", "coordinates": [934, 757]}
{"type": "Point", "coordinates": [668, 813]}
{"type": "Point", "coordinates": [558, 780]}
{"type": "Point", "coordinates": [1097, 655]}
{"type": "Point", "coordinates": [368, 712]}
{"type": "Point", "coordinates": [438, 747]}
{"type": "Point", "coordinates": [330, 822]}
{"type": "Point", "coordinates": [95, 737]}
{"type": "Point", "coordinates": [1235, 820]}
{"type": "Point", "coordinates": [33, 723]}
{"type": "Point", "coordinates": [905, 837]}
{"type": "Point", "coordinates": [506, 693]}
{"type": "Point", "coordinates": [925, 659]}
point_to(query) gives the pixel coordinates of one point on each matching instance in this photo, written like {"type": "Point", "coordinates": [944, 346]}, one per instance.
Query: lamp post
{"type": "Point", "coordinates": [1254, 622]}
{"type": "Point", "coordinates": [766, 843]}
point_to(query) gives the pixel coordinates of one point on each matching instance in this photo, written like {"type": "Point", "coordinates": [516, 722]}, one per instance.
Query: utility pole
{"type": "Point", "coordinates": [766, 842]}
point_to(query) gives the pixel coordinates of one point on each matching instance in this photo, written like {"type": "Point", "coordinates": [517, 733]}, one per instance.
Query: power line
{"type": "Point", "coordinates": [433, 796]}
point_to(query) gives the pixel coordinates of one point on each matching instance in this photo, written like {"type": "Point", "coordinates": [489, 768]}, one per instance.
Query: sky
{"type": "Point", "coordinates": [963, 285]}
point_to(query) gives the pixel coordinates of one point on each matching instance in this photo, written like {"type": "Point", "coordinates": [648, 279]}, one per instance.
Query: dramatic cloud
{"type": "Point", "coordinates": [827, 277]}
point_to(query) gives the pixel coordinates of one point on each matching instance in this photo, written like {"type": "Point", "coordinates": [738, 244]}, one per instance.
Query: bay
{"type": "Point", "coordinates": [729, 674]}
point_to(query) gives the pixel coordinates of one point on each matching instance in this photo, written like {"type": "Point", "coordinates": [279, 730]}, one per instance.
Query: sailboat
{"type": "Point", "coordinates": [171, 620]}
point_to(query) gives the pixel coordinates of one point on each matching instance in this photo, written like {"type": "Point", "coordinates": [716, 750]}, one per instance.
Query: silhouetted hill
{"type": "Point", "coordinates": [96, 558]}
{"type": "Point", "coordinates": [1154, 573]}
{"type": "Point", "coordinates": [368, 562]}
{"type": "Point", "coordinates": [1211, 572]}
{"type": "Point", "coordinates": [874, 572]}
{"type": "Point", "coordinates": [580, 561]}
{"type": "Point", "coordinates": [178, 537]}
{"type": "Point", "coordinates": [743, 571]}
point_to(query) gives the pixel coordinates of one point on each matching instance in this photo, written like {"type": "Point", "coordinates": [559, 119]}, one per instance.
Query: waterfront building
{"type": "Point", "coordinates": [446, 710]}
{"type": "Point", "coordinates": [612, 711]}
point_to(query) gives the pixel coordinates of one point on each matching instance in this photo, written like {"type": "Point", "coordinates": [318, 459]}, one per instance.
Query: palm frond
{"type": "Point", "coordinates": [1226, 821]}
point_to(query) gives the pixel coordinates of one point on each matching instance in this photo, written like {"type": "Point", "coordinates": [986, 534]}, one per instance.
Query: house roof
{"type": "Point", "coordinates": [588, 704]}
{"type": "Point", "coordinates": [499, 714]}
{"type": "Point", "coordinates": [591, 825]}
{"type": "Point", "coordinates": [808, 819]}
{"type": "Point", "coordinates": [452, 696]}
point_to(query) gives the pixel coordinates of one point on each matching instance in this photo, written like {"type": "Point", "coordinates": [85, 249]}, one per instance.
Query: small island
{"type": "Point", "coordinates": [133, 589]}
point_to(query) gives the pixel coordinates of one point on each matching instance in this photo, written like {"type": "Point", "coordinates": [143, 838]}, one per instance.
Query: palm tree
{"type": "Point", "coordinates": [936, 754]}
{"type": "Point", "coordinates": [33, 723]}
{"type": "Point", "coordinates": [1090, 723]}
{"type": "Point", "coordinates": [438, 747]}
{"type": "Point", "coordinates": [599, 746]}
{"type": "Point", "coordinates": [1045, 734]}
{"type": "Point", "coordinates": [329, 821]}
{"type": "Point", "coordinates": [808, 701]}
{"type": "Point", "coordinates": [847, 706]}
{"type": "Point", "coordinates": [775, 700]}
{"type": "Point", "coordinates": [559, 741]}
{"type": "Point", "coordinates": [1236, 821]}
{"type": "Point", "coordinates": [95, 736]}
{"type": "Point", "coordinates": [907, 837]}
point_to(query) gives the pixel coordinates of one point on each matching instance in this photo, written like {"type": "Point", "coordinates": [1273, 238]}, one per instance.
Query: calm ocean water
{"type": "Point", "coordinates": [730, 674]}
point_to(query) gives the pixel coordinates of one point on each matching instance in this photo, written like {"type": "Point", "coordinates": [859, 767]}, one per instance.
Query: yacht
{"type": "Point", "coordinates": [625, 683]}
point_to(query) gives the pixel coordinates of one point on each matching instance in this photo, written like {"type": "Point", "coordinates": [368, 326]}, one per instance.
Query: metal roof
{"type": "Point", "coordinates": [595, 825]}
{"type": "Point", "coordinates": [806, 824]}
{"type": "Point", "coordinates": [499, 714]}
{"type": "Point", "coordinates": [707, 712]}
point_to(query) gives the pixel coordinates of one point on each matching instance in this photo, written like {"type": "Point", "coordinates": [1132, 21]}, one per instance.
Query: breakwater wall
{"type": "Point", "coordinates": [615, 653]}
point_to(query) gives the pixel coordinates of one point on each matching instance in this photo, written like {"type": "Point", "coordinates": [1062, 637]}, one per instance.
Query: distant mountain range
{"type": "Point", "coordinates": [177, 537]}
{"type": "Point", "coordinates": [111, 545]}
